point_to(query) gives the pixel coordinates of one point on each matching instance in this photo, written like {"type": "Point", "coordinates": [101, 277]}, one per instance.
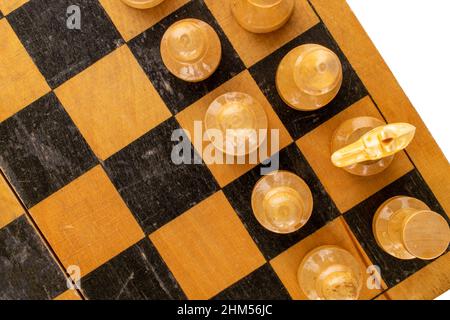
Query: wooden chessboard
{"type": "Point", "coordinates": [86, 118]}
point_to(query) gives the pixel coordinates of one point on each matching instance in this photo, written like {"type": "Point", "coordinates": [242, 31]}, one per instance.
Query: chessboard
{"type": "Point", "coordinates": [91, 205]}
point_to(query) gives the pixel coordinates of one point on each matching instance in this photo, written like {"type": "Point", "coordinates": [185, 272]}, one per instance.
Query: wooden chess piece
{"type": "Point", "coordinates": [406, 228]}
{"type": "Point", "coordinates": [142, 4]}
{"type": "Point", "coordinates": [330, 273]}
{"type": "Point", "coordinates": [241, 121]}
{"type": "Point", "coordinates": [282, 202]}
{"type": "Point", "coordinates": [262, 16]}
{"type": "Point", "coordinates": [366, 146]}
{"type": "Point", "coordinates": [191, 50]}
{"type": "Point", "coordinates": [309, 77]}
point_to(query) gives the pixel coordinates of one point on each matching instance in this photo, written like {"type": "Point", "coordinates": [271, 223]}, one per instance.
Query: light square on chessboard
{"type": "Point", "coordinates": [225, 173]}
{"type": "Point", "coordinates": [87, 223]}
{"type": "Point", "coordinates": [253, 47]}
{"type": "Point", "coordinates": [347, 190]}
{"type": "Point", "coordinates": [335, 233]}
{"type": "Point", "coordinates": [131, 21]}
{"type": "Point", "coordinates": [113, 103]}
{"type": "Point", "coordinates": [8, 6]}
{"type": "Point", "coordinates": [207, 248]}
{"type": "Point", "coordinates": [10, 208]}
{"type": "Point", "coordinates": [69, 295]}
{"type": "Point", "coordinates": [21, 81]}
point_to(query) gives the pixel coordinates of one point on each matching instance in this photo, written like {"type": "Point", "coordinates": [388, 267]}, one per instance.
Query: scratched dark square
{"type": "Point", "coordinates": [262, 284]}
{"type": "Point", "coordinates": [360, 219]}
{"type": "Point", "coordinates": [138, 273]}
{"type": "Point", "coordinates": [239, 194]}
{"type": "Point", "coordinates": [60, 52]}
{"type": "Point", "coordinates": [154, 188]}
{"type": "Point", "coordinates": [298, 122]}
{"type": "Point", "coordinates": [178, 94]}
{"type": "Point", "coordinates": [42, 150]}
{"type": "Point", "coordinates": [27, 269]}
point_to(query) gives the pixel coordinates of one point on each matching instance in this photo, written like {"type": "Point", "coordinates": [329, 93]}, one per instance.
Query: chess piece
{"type": "Point", "coordinates": [309, 77]}
{"type": "Point", "coordinates": [242, 123]}
{"type": "Point", "coordinates": [262, 16]}
{"type": "Point", "coordinates": [191, 50]}
{"type": "Point", "coordinates": [406, 228]}
{"type": "Point", "coordinates": [282, 202]}
{"type": "Point", "coordinates": [142, 4]}
{"type": "Point", "coordinates": [366, 146]}
{"type": "Point", "coordinates": [330, 273]}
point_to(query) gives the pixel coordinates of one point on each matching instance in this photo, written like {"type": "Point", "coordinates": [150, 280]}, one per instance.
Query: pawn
{"type": "Point", "coordinates": [191, 50]}
{"type": "Point", "coordinates": [262, 16]}
{"type": "Point", "coordinates": [366, 146]}
{"type": "Point", "coordinates": [142, 4]}
{"type": "Point", "coordinates": [282, 202]}
{"type": "Point", "coordinates": [309, 77]}
{"type": "Point", "coordinates": [241, 121]}
{"type": "Point", "coordinates": [406, 228]}
{"type": "Point", "coordinates": [330, 273]}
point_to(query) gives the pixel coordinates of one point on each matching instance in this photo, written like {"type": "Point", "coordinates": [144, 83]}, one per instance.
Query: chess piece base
{"type": "Point", "coordinates": [405, 228]}
{"type": "Point", "coordinates": [142, 4]}
{"type": "Point", "coordinates": [309, 77]}
{"type": "Point", "coordinates": [191, 50]}
{"type": "Point", "coordinates": [262, 16]}
{"type": "Point", "coordinates": [282, 202]}
{"type": "Point", "coordinates": [349, 132]}
{"type": "Point", "coordinates": [330, 273]}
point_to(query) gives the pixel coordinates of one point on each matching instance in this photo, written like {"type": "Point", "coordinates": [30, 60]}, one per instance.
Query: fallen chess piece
{"type": "Point", "coordinates": [366, 146]}
{"type": "Point", "coordinates": [142, 4]}
{"type": "Point", "coordinates": [309, 77]}
{"type": "Point", "coordinates": [282, 202]}
{"type": "Point", "coordinates": [191, 50]}
{"type": "Point", "coordinates": [406, 228]}
{"type": "Point", "coordinates": [330, 273]}
{"type": "Point", "coordinates": [262, 16]}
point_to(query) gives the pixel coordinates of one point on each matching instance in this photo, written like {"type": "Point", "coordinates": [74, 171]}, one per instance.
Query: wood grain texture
{"type": "Point", "coordinates": [253, 47]}
{"type": "Point", "coordinates": [243, 82]}
{"type": "Point", "coordinates": [207, 248]}
{"type": "Point", "coordinates": [10, 208]}
{"type": "Point", "coordinates": [86, 222]}
{"type": "Point", "coordinates": [21, 83]}
{"type": "Point", "coordinates": [336, 180]}
{"type": "Point", "coordinates": [335, 233]}
{"type": "Point", "coordinates": [387, 93]}
{"type": "Point", "coordinates": [113, 103]}
{"type": "Point", "coordinates": [130, 21]}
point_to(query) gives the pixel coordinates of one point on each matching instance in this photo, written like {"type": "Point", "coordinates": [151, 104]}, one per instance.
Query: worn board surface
{"type": "Point", "coordinates": [86, 118]}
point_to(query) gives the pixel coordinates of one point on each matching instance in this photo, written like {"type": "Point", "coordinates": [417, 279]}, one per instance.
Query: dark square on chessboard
{"type": "Point", "coordinates": [297, 122]}
{"type": "Point", "coordinates": [261, 284]}
{"type": "Point", "coordinates": [60, 52]}
{"type": "Point", "coordinates": [42, 150]}
{"type": "Point", "coordinates": [138, 273]}
{"type": "Point", "coordinates": [28, 271]}
{"type": "Point", "coordinates": [176, 93]}
{"type": "Point", "coordinates": [154, 188]}
{"type": "Point", "coordinates": [271, 244]}
{"type": "Point", "coordinates": [360, 219]}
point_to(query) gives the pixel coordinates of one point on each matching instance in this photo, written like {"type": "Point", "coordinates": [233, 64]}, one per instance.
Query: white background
{"type": "Point", "coordinates": [413, 36]}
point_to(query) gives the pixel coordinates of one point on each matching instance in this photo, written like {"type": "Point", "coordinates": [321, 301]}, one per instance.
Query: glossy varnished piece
{"type": "Point", "coordinates": [236, 124]}
{"type": "Point", "coordinates": [330, 273]}
{"type": "Point", "coordinates": [406, 228]}
{"type": "Point", "coordinates": [191, 50]}
{"type": "Point", "coordinates": [143, 4]}
{"type": "Point", "coordinates": [262, 16]}
{"type": "Point", "coordinates": [282, 202]}
{"type": "Point", "coordinates": [309, 77]}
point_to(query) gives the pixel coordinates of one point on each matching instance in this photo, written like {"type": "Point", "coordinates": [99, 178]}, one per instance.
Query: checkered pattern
{"type": "Point", "coordinates": [86, 118]}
